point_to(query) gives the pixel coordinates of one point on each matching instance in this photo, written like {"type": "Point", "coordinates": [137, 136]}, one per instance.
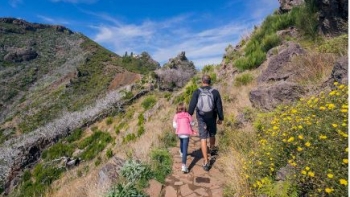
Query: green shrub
{"type": "Point", "coordinates": [148, 102]}
{"type": "Point", "coordinates": [129, 137]}
{"type": "Point", "coordinates": [295, 136]}
{"type": "Point", "coordinates": [58, 150]}
{"type": "Point", "coordinates": [161, 164]}
{"type": "Point", "coordinates": [125, 190]}
{"type": "Point", "coordinates": [140, 131]}
{"type": "Point", "coordinates": [75, 135]}
{"type": "Point", "coordinates": [168, 139]}
{"type": "Point", "coordinates": [94, 144]}
{"type": "Point", "coordinates": [243, 79]}
{"type": "Point", "coordinates": [109, 153]}
{"type": "Point", "coordinates": [337, 45]}
{"type": "Point", "coordinates": [98, 161]}
{"type": "Point", "coordinates": [128, 95]}
{"type": "Point", "coordinates": [208, 69]}
{"type": "Point", "coordinates": [270, 41]}
{"type": "Point", "coordinates": [109, 120]}
{"type": "Point", "coordinates": [134, 171]}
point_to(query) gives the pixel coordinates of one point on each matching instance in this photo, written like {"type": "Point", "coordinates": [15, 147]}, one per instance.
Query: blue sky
{"type": "Point", "coordinates": [203, 29]}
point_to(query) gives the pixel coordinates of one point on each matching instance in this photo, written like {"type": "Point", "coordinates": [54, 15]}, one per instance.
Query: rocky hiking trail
{"type": "Point", "coordinates": [197, 182]}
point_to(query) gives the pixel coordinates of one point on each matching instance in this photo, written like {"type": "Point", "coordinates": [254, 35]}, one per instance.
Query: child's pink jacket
{"type": "Point", "coordinates": [182, 122]}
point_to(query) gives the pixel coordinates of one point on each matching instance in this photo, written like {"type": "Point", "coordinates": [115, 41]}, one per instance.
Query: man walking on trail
{"type": "Point", "coordinates": [207, 103]}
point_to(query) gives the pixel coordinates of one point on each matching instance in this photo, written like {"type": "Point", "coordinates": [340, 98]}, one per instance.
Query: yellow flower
{"type": "Point", "coordinates": [335, 125]}
{"type": "Point", "coordinates": [291, 139]}
{"type": "Point", "coordinates": [343, 182]}
{"type": "Point", "coordinates": [322, 108]}
{"type": "Point", "coordinates": [300, 127]}
{"type": "Point", "coordinates": [346, 150]}
{"type": "Point", "coordinates": [299, 148]}
{"type": "Point", "coordinates": [311, 174]}
{"type": "Point", "coordinates": [329, 190]}
{"type": "Point", "coordinates": [294, 111]}
{"type": "Point", "coordinates": [275, 127]}
{"type": "Point", "coordinates": [303, 172]}
{"type": "Point", "coordinates": [330, 176]}
{"type": "Point", "coordinates": [323, 137]}
{"type": "Point", "coordinates": [307, 168]}
{"type": "Point", "coordinates": [336, 83]}
{"type": "Point", "coordinates": [344, 110]}
{"type": "Point", "coordinates": [308, 144]}
{"type": "Point", "coordinates": [331, 106]}
{"type": "Point", "coordinates": [345, 161]}
{"type": "Point", "coordinates": [301, 137]}
{"type": "Point", "coordinates": [332, 93]}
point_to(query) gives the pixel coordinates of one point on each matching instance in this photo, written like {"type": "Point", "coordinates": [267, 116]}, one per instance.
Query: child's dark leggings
{"type": "Point", "coordinates": [183, 148]}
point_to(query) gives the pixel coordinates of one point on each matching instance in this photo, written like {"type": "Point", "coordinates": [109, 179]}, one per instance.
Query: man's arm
{"type": "Point", "coordinates": [219, 107]}
{"type": "Point", "coordinates": [193, 102]}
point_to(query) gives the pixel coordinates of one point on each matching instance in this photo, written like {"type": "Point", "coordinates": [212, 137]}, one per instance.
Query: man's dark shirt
{"type": "Point", "coordinates": [217, 103]}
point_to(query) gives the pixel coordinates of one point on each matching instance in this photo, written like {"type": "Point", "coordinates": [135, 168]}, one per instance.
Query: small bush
{"type": "Point", "coordinates": [243, 79]}
{"type": "Point", "coordinates": [208, 69]}
{"type": "Point", "coordinates": [148, 102]}
{"type": "Point", "coordinates": [125, 190]}
{"type": "Point", "coordinates": [75, 135]}
{"type": "Point", "coordinates": [161, 164]}
{"type": "Point", "coordinates": [134, 171]}
{"type": "Point", "coordinates": [58, 150]}
{"type": "Point", "coordinates": [109, 153]}
{"type": "Point", "coordinates": [168, 139]}
{"type": "Point", "coordinates": [337, 45]}
{"type": "Point", "coordinates": [109, 120]}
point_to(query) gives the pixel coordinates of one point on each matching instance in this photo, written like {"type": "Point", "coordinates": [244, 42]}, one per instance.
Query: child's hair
{"type": "Point", "coordinates": [181, 108]}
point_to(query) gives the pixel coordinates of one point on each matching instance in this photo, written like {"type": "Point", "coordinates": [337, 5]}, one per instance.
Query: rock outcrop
{"type": "Point", "coordinates": [176, 73]}
{"type": "Point", "coordinates": [333, 16]}
{"type": "Point", "coordinates": [287, 5]}
{"type": "Point", "coordinates": [269, 97]}
{"type": "Point", "coordinates": [22, 54]}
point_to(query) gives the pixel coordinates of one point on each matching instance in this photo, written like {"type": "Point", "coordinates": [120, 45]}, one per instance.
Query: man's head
{"type": "Point", "coordinates": [206, 80]}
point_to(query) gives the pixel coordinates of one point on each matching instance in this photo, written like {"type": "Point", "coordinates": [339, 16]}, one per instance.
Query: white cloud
{"type": "Point", "coordinates": [165, 39]}
{"type": "Point", "coordinates": [14, 3]}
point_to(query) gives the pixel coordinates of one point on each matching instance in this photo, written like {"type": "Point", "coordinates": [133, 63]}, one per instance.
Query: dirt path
{"type": "Point", "coordinates": [197, 182]}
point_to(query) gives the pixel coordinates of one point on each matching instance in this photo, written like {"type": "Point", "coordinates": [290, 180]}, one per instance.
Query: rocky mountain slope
{"type": "Point", "coordinates": [48, 73]}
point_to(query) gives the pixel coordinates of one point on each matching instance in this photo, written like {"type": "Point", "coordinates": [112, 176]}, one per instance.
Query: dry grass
{"type": "Point", "coordinates": [312, 68]}
{"type": "Point", "coordinates": [71, 185]}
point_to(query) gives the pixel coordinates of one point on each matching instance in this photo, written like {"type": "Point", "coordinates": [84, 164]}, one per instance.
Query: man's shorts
{"type": "Point", "coordinates": [206, 126]}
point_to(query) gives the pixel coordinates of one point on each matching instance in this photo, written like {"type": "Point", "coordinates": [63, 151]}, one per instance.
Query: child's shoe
{"type": "Point", "coordinates": [184, 169]}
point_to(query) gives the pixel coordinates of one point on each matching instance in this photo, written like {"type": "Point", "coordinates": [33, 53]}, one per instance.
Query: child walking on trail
{"type": "Point", "coordinates": [183, 123]}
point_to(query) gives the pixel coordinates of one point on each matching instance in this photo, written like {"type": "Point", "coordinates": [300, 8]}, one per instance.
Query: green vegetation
{"type": "Point", "coordinates": [161, 164]}
{"type": "Point", "coordinates": [243, 79]}
{"type": "Point", "coordinates": [149, 102]}
{"type": "Point", "coordinates": [295, 136]}
{"type": "Point", "coordinates": [186, 96]}
{"type": "Point", "coordinates": [35, 183]}
{"type": "Point", "coordinates": [337, 45]}
{"type": "Point", "coordinates": [94, 144]}
{"type": "Point", "coordinates": [265, 38]}
{"type": "Point", "coordinates": [142, 64]}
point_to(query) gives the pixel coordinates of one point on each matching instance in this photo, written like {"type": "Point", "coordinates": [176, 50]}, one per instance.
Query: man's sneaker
{"type": "Point", "coordinates": [180, 153]}
{"type": "Point", "coordinates": [184, 169]}
{"type": "Point", "coordinates": [206, 166]}
{"type": "Point", "coordinates": [213, 150]}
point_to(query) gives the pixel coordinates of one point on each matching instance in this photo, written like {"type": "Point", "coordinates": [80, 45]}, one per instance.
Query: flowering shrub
{"type": "Point", "coordinates": [311, 139]}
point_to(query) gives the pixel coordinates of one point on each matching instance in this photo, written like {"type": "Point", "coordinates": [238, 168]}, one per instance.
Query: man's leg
{"type": "Point", "coordinates": [212, 142]}
{"type": "Point", "coordinates": [204, 148]}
